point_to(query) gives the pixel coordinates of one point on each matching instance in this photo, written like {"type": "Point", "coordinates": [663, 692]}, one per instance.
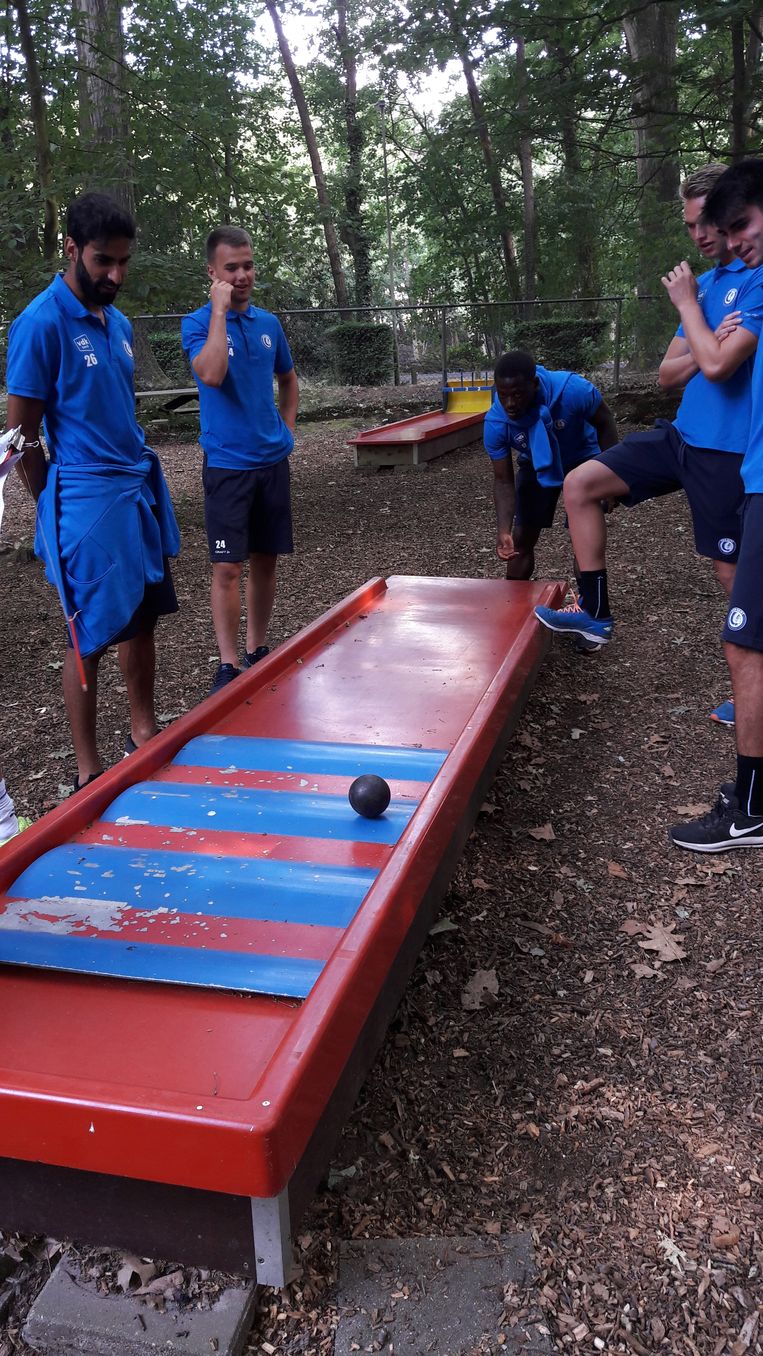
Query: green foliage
{"type": "Point", "coordinates": [363, 353]}
{"type": "Point", "coordinates": [569, 344]}
{"type": "Point", "coordinates": [171, 356]}
{"type": "Point", "coordinates": [468, 356]}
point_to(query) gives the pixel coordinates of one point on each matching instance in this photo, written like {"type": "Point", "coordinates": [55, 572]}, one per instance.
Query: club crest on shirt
{"type": "Point", "coordinates": [82, 343]}
{"type": "Point", "coordinates": [267, 341]}
{"type": "Point", "coordinates": [730, 296]}
{"type": "Point", "coordinates": [560, 423]}
{"type": "Point", "coordinates": [230, 345]}
{"type": "Point", "coordinates": [520, 440]}
{"type": "Point", "coordinates": [727, 545]}
{"type": "Point", "coordinates": [737, 619]}
{"type": "Point", "coordinates": [127, 347]}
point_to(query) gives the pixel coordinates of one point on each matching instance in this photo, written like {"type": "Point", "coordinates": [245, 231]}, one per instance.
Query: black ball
{"type": "Point", "coordinates": [369, 796]}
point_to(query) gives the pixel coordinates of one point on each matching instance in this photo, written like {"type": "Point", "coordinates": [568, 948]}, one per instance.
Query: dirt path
{"type": "Point", "coordinates": [607, 1097]}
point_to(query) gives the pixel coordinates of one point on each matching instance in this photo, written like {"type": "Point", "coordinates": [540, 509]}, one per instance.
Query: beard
{"type": "Point", "coordinates": [95, 293]}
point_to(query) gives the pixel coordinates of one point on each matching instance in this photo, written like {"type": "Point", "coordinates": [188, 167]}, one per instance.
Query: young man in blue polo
{"type": "Point", "coordinates": [551, 422]}
{"type": "Point", "coordinates": [236, 350]}
{"type": "Point", "coordinates": [105, 524]}
{"type": "Point", "coordinates": [735, 206]}
{"type": "Point", "coordinates": [711, 357]}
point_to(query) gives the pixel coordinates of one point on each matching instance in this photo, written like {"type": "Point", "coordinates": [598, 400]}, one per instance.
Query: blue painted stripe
{"type": "Point", "coordinates": [284, 977]}
{"type": "Point", "coordinates": [241, 753]}
{"type": "Point", "coordinates": [228, 887]}
{"type": "Point", "coordinates": [237, 809]}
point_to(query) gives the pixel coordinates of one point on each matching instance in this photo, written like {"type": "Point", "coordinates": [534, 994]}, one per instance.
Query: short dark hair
{"type": "Point", "coordinates": [740, 187]}
{"type": "Point", "coordinates": [517, 363]}
{"type": "Point", "coordinates": [226, 235]}
{"type": "Point", "coordinates": [96, 216]}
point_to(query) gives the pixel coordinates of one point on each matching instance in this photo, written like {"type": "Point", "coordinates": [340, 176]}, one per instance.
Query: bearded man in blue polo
{"type": "Point", "coordinates": [550, 422]}
{"type": "Point", "coordinates": [236, 352]}
{"type": "Point", "coordinates": [105, 524]}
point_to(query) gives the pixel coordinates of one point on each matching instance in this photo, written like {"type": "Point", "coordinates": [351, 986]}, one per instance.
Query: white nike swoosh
{"type": "Point", "coordinates": [740, 833]}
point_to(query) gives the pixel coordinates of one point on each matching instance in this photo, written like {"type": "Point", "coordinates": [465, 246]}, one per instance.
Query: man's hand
{"type": "Point", "coordinates": [680, 285]}
{"type": "Point", "coordinates": [728, 325]}
{"type": "Point", "coordinates": [220, 294]}
{"type": "Point", "coordinates": [504, 546]}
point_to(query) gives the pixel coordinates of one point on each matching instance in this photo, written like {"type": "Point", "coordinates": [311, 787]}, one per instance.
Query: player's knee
{"type": "Point", "coordinates": [580, 487]}
{"type": "Point", "coordinates": [226, 574]}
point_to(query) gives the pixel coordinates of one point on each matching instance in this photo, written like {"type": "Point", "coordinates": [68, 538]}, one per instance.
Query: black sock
{"type": "Point", "coordinates": [593, 593]}
{"type": "Point", "coordinates": [749, 784]}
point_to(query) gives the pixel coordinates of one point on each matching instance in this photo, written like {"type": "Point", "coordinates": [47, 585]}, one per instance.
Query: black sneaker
{"type": "Point", "coordinates": [254, 656]}
{"type": "Point", "coordinates": [80, 786]}
{"type": "Point", "coordinates": [225, 674]}
{"type": "Point", "coordinates": [725, 827]}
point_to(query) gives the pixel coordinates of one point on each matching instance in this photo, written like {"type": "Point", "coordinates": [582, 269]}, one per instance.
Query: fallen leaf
{"type": "Point", "coordinates": [673, 1253]}
{"type": "Point", "coordinates": [443, 925]}
{"type": "Point", "coordinates": [576, 733]}
{"type": "Point", "coordinates": [615, 869]}
{"type": "Point", "coordinates": [460, 1053]}
{"type": "Point", "coordinates": [664, 940]}
{"type": "Point", "coordinates": [588, 697]}
{"type": "Point", "coordinates": [642, 971]}
{"type": "Point", "coordinates": [480, 991]}
{"type": "Point", "coordinates": [692, 811]}
{"type": "Point", "coordinates": [727, 1240]}
{"type": "Point", "coordinates": [667, 771]}
{"type": "Point", "coordinates": [714, 965]}
{"type": "Point", "coordinates": [480, 884]}
{"type": "Point", "coordinates": [488, 808]}
{"type": "Point", "coordinates": [545, 834]}
{"type": "Point", "coordinates": [632, 927]}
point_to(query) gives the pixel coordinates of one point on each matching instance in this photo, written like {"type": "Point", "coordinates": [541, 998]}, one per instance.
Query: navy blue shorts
{"type": "Point", "coordinates": [659, 462]}
{"type": "Point", "coordinates": [744, 622]}
{"type": "Point", "coordinates": [535, 504]}
{"type": "Point", "coordinates": [247, 511]}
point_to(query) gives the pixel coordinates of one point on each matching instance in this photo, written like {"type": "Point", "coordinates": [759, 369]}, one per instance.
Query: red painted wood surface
{"type": "Point", "coordinates": [421, 428]}
{"type": "Point", "coordinates": [222, 1091]}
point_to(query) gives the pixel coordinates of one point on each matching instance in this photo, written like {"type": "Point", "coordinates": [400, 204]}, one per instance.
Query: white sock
{"type": "Point", "coordinates": [9, 824]}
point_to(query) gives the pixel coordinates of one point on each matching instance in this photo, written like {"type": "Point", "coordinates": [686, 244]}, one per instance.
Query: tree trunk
{"type": "Point", "coordinates": [745, 59]}
{"type": "Point", "coordinates": [50, 242]}
{"type": "Point", "coordinates": [651, 34]}
{"type": "Point", "coordinates": [529, 225]}
{"type": "Point", "coordinates": [308, 131]}
{"type": "Point", "coordinates": [354, 231]}
{"type": "Point", "coordinates": [508, 250]}
{"type": "Point", "coordinates": [103, 117]}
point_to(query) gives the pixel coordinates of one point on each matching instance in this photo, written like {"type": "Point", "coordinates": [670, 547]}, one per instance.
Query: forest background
{"type": "Point", "coordinates": [548, 167]}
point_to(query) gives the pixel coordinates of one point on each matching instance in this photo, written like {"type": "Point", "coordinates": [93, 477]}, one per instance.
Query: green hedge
{"type": "Point", "coordinates": [362, 353]}
{"type": "Point", "coordinates": [170, 355]}
{"type": "Point", "coordinates": [569, 344]}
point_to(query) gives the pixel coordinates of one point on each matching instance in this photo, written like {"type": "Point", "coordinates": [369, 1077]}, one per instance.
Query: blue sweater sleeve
{"type": "Point", "coordinates": [33, 356]}
{"type": "Point", "coordinates": [495, 437]}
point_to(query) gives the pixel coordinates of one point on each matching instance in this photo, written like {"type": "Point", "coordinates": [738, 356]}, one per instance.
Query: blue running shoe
{"type": "Point", "coordinates": [723, 714]}
{"type": "Point", "coordinates": [573, 621]}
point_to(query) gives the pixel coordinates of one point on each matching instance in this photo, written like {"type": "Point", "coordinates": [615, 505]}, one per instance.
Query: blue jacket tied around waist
{"type": "Point", "coordinates": [537, 427]}
{"type": "Point", "coordinates": [103, 532]}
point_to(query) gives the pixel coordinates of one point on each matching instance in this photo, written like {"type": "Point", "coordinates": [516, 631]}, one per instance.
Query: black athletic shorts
{"type": "Point", "coordinates": [535, 504]}
{"type": "Point", "coordinates": [158, 601]}
{"type": "Point", "coordinates": [659, 462]}
{"type": "Point", "coordinates": [247, 511]}
{"type": "Point", "coordinates": [744, 622]}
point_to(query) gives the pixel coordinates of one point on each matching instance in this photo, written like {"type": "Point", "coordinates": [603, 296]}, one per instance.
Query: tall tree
{"type": "Point", "coordinates": [104, 123]}
{"type": "Point", "coordinates": [354, 228]}
{"type": "Point", "coordinates": [308, 131]}
{"type": "Point", "coordinates": [43, 154]}
{"type": "Point", "coordinates": [651, 33]}
{"type": "Point", "coordinates": [525, 151]}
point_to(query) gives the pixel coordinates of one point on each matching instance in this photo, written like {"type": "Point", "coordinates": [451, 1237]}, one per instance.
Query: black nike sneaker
{"type": "Point", "coordinates": [725, 827]}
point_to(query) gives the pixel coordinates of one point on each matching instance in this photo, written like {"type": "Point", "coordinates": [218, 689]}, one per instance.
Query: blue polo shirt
{"type": "Point", "coordinates": [571, 401]}
{"type": "Point", "coordinates": [241, 428]}
{"type": "Point", "coordinates": [752, 466]}
{"type": "Point", "coordinates": [60, 353]}
{"type": "Point", "coordinates": [716, 414]}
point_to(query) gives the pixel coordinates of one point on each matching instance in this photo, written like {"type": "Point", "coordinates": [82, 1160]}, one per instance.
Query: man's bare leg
{"type": "Point", "coordinates": [137, 661]}
{"type": "Point", "coordinates": [746, 668]}
{"type": "Point", "coordinates": [724, 573]}
{"type": "Point", "coordinates": [81, 709]}
{"type": "Point", "coordinates": [226, 608]}
{"type": "Point", "coordinates": [522, 563]}
{"type": "Point", "coordinates": [260, 595]}
{"type": "Point", "coordinates": [584, 490]}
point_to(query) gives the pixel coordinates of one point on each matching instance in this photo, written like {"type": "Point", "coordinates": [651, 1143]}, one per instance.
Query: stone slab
{"type": "Point", "coordinates": [442, 1296]}
{"type": "Point", "coordinates": [71, 1318]}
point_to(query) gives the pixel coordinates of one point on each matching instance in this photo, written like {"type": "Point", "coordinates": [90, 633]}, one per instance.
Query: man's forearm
{"type": "Point", "coordinates": [211, 362]}
{"type": "Point", "coordinates": [26, 414]}
{"type": "Point", "coordinates": [504, 498]}
{"type": "Point", "coordinates": [288, 399]}
{"type": "Point", "coordinates": [675, 373]}
{"type": "Point", "coordinates": [705, 348]}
